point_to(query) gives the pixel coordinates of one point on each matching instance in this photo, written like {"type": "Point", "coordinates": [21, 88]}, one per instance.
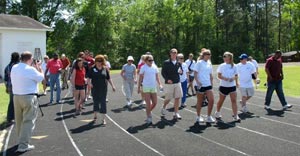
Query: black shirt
{"type": "Point", "coordinates": [98, 77]}
{"type": "Point", "coordinates": [170, 71]}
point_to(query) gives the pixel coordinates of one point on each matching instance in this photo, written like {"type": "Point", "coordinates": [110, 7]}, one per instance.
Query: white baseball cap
{"type": "Point", "coordinates": [130, 58]}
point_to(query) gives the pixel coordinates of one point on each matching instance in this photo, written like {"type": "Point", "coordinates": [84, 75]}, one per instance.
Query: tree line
{"type": "Point", "coordinates": [120, 28]}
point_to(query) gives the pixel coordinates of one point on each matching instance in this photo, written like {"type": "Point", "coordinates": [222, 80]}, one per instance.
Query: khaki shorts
{"type": "Point", "coordinates": [173, 91]}
{"type": "Point", "coordinates": [247, 91]}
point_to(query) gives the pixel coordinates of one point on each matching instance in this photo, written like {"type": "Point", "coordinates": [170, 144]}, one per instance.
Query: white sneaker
{"type": "Point", "coordinates": [149, 120]}
{"type": "Point", "coordinates": [177, 116]}
{"type": "Point", "coordinates": [236, 118]}
{"type": "Point", "coordinates": [90, 97]}
{"type": "Point", "coordinates": [267, 107]}
{"type": "Point", "coordinates": [163, 112]}
{"type": "Point", "coordinates": [210, 119]}
{"type": "Point", "coordinates": [144, 102]}
{"type": "Point", "coordinates": [128, 103]}
{"type": "Point", "coordinates": [45, 93]}
{"type": "Point", "coordinates": [199, 119]}
{"type": "Point", "coordinates": [287, 106]}
{"type": "Point", "coordinates": [245, 109]}
{"type": "Point", "coordinates": [218, 115]}
{"type": "Point", "coordinates": [29, 147]}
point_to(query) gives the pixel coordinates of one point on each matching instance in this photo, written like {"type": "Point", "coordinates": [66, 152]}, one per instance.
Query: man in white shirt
{"type": "Point", "coordinates": [25, 78]}
{"type": "Point", "coordinates": [190, 64]}
{"type": "Point", "coordinates": [246, 72]}
{"type": "Point", "coordinates": [255, 64]}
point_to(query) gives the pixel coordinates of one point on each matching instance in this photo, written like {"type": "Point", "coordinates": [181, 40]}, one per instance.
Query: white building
{"type": "Point", "coordinates": [19, 34]}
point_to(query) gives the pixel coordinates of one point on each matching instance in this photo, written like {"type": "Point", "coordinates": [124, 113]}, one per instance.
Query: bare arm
{"type": "Point", "coordinates": [211, 79]}
{"type": "Point", "coordinates": [158, 80]}
{"type": "Point", "coordinates": [122, 74]}
{"type": "Point", "coordinates": [112, 84]}
{"type": "Point", "coordinates": [141, 77]}
{"type": "Point", "coordinates": [73, 77]}
{"type": "Point", "coordinates": [196, 79]}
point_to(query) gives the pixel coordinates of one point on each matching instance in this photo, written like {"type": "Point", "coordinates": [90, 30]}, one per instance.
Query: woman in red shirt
{"type": "Point", "coordinates": [78, 80]}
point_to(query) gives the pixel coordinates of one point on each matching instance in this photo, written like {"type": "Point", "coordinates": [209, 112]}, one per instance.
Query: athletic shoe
{"type": "Point", "coordinates": [287, 106]}
{"type": "Point", "coordinates": [128, 103]}
{"type": "Point", "coordinates": [177, 116]}
{"type": "Point", "coordinates": [163, 112]}
{"type": "Point", "coordinates": [183, 105]}
{"type": "Point", "coordinates": [143, 102]}
{"type": "Point", "coordinates": [106, 100]}
{"type": "Point", "coordinates": [210, 119]}
{"type": "Point", "coordinates": [218, 115]}
{"type": "Point", "coordinates": [149, 120]}
{"type": "Point", "coordinates": [90, 97]}
{"type": "Point", "coordinates": [29, 147]}
{"type": "Point", "coordinates": [103, 122]}
{"type": "Point", "coordinates": [236, 118]}
{"type": "Point", "coordinates": [45, 93]}
{"type": "Point", "coordinates": [199, 119]}
{"type": "Point", "coordinates": [245, 109]}
{"type": "Point", "coordinates": [267, 107]}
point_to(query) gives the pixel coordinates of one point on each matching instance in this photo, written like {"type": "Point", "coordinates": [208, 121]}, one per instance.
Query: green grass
{"type": "Point", "coordinates": [4, 98]}
{"type": "Point", "coordinates": [291, 83]}
{"type": "Point", "coordinates": [115, 71]}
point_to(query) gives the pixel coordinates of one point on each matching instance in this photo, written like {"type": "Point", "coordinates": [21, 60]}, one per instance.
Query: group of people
{"type": "Point", "coordinates": [180, 76]}
{"type": "Point", "coordinates": [92, 75]}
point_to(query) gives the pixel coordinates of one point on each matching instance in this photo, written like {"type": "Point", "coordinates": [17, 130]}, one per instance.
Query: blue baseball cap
{"type": "Point", "coordinates": [243, 56]}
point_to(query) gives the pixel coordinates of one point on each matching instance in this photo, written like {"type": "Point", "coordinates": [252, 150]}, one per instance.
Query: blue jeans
{"type": "Point", "coordinates": [54, 80]}
{"type": "Point", "coordinates": [184, 91]}
{"type": "Point", "coordinates": [275, 85]}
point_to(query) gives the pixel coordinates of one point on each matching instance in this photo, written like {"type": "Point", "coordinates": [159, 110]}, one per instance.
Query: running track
{"type": "Point", "coordinates": [60, 133]}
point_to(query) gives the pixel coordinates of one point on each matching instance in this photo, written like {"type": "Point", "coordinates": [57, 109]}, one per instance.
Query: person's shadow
{"type": "Point", "coordinates": [271, 112]}
{"type": "Point", "coordinates": [12, 151]}
{"type": "Point", "coordinates": [86, 127]}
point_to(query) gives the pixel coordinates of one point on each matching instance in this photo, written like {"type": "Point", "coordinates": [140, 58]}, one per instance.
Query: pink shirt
{"type": "Point", "coordinates": [54, 65]}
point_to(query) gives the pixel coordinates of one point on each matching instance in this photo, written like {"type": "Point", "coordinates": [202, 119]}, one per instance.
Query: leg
{"type": "Point", "coordinates": [126, 90]}
{"type": "Point", "coordinates": [199, 103]}
{"type": "Point", "coordinates": [148, 104]}
{"type": "Point", "coordinates": [96, 100]}
{"type": "Point", "coordinates": [52, 80]}
{"type": "Point", "coordinates": [10, 111]}
{"type": "Point", "coordinates": [233, 96]}
{"type": "Point", "coordinates": [131, 86]}
{"type": "Point", "coordinates": [154, 100]}
{"type": "Point", "coordinates": [210, 97]}
{"type": "Point", "coordinates": [29, 118]}
{"type": "Point", "coordinates": [176, 105]}
{"type": "Point", "coordinates": [280, 93]}
{"type": "Point", "coordinates": [76, 99]}
{"type": "Point", "coordinates": [58, 89]}
{"type": "Point", "coordinates": [81, 98]}
{"type": "Point", "coordinates": [63, 72]}
{"type": "Point", "coordinates": [184, 92]}
{"type": "Point", "coordinates": [270, 90]}
{"type": "Point", "coordinates": [220, 102]}
{"type": "Point", "coordinates": [18, 114]}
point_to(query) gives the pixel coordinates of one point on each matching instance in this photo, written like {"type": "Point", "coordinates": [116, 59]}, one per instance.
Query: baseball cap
{"type": "Point", "coordinates": [243, 56]}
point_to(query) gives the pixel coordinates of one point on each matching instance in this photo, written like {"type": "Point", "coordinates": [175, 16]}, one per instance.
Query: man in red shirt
{"type": "Point", "coordinates": [54, 67]}
{"type": "Point", "coordinates": [274, 72]}
{"type": "Point", "coordinates": [64, 71]}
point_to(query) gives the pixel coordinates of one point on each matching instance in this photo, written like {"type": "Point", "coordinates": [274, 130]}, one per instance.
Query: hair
{"type": "Point", "coordinates": [106, 57]}
{"type": "Point", "coordinates": [99, 58]}
{"type": "Point", "coordinates": [80, 54]}
{"type": "Point", "coordinates": [230, 55]}
{"type": "Point", "coordinates": [15, 58]}
{"type": "Point", "coordinates": [25, 56]}
{"type": "Point", "coordinates": [191, 54]}
{"type": "Point", "coordinates": [204, 52]}
{"type": "Point", "coordinates": [278, 51]}
{"type": "Point", "coordinates": [180, 55]}
{"type": "Point", "coordinates": [173, 50]}
{"type": "Point", "coordinates": [147, 57]}
{"type": "Point", "coordinates": [76, 63]}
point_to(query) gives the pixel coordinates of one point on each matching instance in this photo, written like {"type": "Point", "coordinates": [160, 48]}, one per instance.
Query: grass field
{"type": "Point", "coordinates": [4, 98]}
{"type": "Point", "coordinates": [291, 82]}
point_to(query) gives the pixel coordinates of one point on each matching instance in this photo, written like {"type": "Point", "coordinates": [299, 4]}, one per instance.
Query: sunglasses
{"type": "Point", "coordinates": [99, 61]}
{"type": "Point", "coordinates": [207, 54]}
{"type": "Point", "coordinates": [224, 56]}
{"type": "Point", "coordinates": [181, 58]}
{"type": "Point", "coordinates": [150, 60]}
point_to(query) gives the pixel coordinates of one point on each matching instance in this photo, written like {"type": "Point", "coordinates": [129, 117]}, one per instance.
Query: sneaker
{"type": "Point", "coordinates": [245, 109]}
{"type": "Point", "coordinates": [128, 103]}
{"type": "Point", "coordinates": [199, 119]}
{"type": "Point", "coordinates": [22, 150]}
{"type": "Point", "coordinates": [177, 116]}
{"type": "Point", "coordinates": [287, 106]}
{"type": "Point", "coordinates": [163, 112]}
{"type": "Point", "coordinates": [236, 118]}
{"type": "Point", "coordinates": [149, 120]}
{"type": "Point", "coordinates": [218, 115]}
{"type": "Point", "coordinates": [183, 105]}
{"type": "Point", "coordinates": [267, 107]}
{"type": "Point", "coordinates": [90, 97]}
{"type": "Point", "coordinates": [210, 119]}
{"type": "Point", "coordinates": [143, 102]}
{"type": "Point", "coordinates": [103, 122]}
{"type": "Point", "coordinates": [45, 93]}
{"type": "Point", "coordinates": [106, 100]}
{"type": "Point", "coordinates": [58, 102]}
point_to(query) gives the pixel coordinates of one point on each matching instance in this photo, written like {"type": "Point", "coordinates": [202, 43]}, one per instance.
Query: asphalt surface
{"type": "Point", "coordinates": [60, 133]}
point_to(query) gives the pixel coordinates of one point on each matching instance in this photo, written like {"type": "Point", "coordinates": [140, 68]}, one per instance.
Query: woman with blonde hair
{"type": "Point", "coordinates": [204, 80]}
{"type": "Point", "coordinates": [227, 74]}
{"type": "Point", "coordinates": [98, 76]}
{"type": "Point", "coordinates": [140, 65]}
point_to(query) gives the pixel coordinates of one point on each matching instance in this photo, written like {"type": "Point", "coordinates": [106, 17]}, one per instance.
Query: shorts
{"type": "Point", "coordinates": [247, 91]}
{"type": "Point", "coordinates": [79, 87]}
{"type": "Point", "coordinates": [173, 91]}
{"type": "Point", "coordinates": [202, 90]}
{"type": "Point", "coordinates": [227, 90]}
{"type": "Point", "coordinates": [149, 90]}
{"type": "Point", "coordinates": [191, 78]}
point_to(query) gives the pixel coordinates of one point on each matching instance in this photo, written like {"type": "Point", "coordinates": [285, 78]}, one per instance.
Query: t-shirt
{"type": "Point", "coordinates": [254, 62]}
{"type": "Point", "coordinates": [227, 71]}
{"type": "Point", "coordinates": [98, 77]}
{"type": "Point", "coordinates": [188, 63]}
{"type": "Point", "coordinates": [275, 67]}
{"type": "Point", "coordinates": [129, 71]}
{"type": "Point", "coordinates": [25, 79]}
{"type": "Point", "coordinates": [79, 77]}
{"type": "Point", "coordinates": [44, 67]}
{"type": "Point", "coordinates": [204, 69]}
{"type": "Point", "coordinates": [245, 72]}
{"type": "Point", "coordinates": [149, 79]}
{"type": "Point", "coordinates": [65, 62]}
{"type": "Point", "coordinates": [183, 76]}
{"type": "Point", "coordinates": [54, 65]}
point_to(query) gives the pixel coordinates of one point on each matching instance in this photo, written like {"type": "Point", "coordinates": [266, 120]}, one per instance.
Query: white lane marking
{"type": "Point", "coordinates": [7, 140]}
{"type": "Point", "coordinates": [137, 139]}
{"type": "Point", "coordinates": [202, 137]}
{"type": "Point", "coordinates": [66, 128]}
{"type": "Point", "coordinates": [294, 113]}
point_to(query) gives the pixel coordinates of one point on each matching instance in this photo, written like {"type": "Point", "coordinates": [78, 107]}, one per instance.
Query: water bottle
{"type": "Point", "coordinates": [161, 89]}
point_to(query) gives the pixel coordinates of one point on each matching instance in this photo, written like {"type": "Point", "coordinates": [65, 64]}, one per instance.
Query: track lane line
{"type": "Point", "coordinates": [7, 139]}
